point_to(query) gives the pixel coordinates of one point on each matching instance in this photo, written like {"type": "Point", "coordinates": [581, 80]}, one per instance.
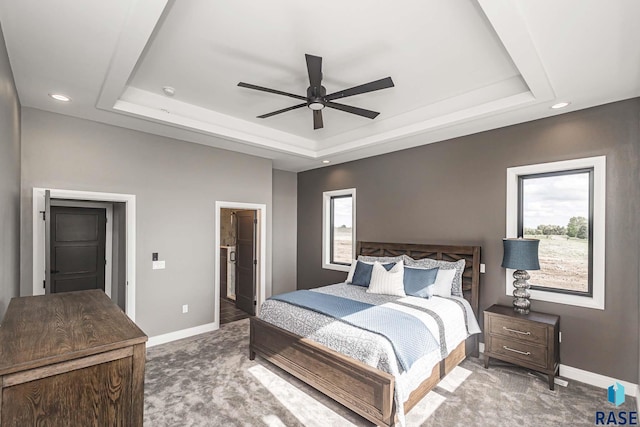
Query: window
{"type": "Point", "coordinates": [562, 205]}
{"type": "Point", "coordinates": [339, 229]}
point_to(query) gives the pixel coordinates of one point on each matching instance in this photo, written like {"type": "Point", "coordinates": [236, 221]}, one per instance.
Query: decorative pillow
{"type": "Point", "coordinates": [458, 266]}
{"type": "Point", "coordinates": [387, 282]}
{"type": "Point", "coordinates": [362, 273]}
{"type": "Point", "coordinates": [418, 281]}
{"type": "Point", "coordinates": [351, 271]}
{"type": "Point", "coordinates": [380, 259]}
{"type": "Point", "coordinates": [442, 285]}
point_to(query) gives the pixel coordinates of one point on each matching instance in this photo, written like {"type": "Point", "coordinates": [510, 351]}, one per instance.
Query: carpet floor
{"type": "Point", "coordinates": [208, 380]}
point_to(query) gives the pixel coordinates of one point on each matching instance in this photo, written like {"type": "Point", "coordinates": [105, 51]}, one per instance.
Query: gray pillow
{"type": "Point", "coordinates": [380, 259]}
{"type": "Point", "coordinates": [456, 285]}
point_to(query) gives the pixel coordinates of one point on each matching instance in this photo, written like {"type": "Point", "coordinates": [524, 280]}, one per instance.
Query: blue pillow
{"type": "Point", "coordinates": [362, 273]}
{"type": "Point", "coordinates": [418, 281]}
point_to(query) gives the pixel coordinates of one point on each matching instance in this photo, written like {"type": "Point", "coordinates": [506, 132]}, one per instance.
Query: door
{"type": "Point", "coordinates": [246, 261]}
{"type": "Point", "coordinates": [76, 249]}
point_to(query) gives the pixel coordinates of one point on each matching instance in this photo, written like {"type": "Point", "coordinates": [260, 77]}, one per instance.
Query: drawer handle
{"type": "Point", "coordinates": [526, 353]}
{"type": "Point", "coordinates": [516, 331]}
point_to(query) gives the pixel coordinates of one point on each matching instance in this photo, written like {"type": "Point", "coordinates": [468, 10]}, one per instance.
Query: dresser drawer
{"type": "Point", "coordinates": [505, 348]}
{"type": "Point", "coordinates": [519, 329]}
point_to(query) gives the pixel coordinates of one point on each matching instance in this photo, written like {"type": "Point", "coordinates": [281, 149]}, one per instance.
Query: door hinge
{"type": "Point", "coordinates": [255, 302]}
{"type": "Point", "coordinates": [255, 262]}
{"type": "Point", "coordinates": [44, 215]}
{"type": "Point", "coordinates": [255, 221]}
{"type": "Point", "coordinates": [44, 284]}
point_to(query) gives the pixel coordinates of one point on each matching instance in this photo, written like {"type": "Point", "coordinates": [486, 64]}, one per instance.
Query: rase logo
{"type": "Point", "coordinates": [615, 395]}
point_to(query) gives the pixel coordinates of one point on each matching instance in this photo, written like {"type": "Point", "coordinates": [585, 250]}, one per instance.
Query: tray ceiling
{"type": "Point", "coordinates": [459, 67]}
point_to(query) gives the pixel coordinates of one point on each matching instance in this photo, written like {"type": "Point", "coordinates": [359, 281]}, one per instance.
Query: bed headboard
{"type": "Point", "coordinates": [470, 278]}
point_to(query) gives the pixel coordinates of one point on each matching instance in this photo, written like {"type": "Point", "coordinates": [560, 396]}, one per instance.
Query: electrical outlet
{"type": "Point", "coordinates": [185, 308]}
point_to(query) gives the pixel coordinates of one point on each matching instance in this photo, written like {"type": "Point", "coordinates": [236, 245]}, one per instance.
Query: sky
{"type": "Point", "coordinates": [554, 200]}
{"type": "Point", "coordinates": [342, 211]}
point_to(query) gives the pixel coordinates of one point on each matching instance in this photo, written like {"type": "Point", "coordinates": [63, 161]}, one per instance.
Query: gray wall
{"type": "Point", "coordinates": [285, 187]}
{"type": "Point", "coordinates": [176, 185]}
{"type": "Point", "coordinates": [454, 192]}
{"type": "Point", "coordinates": [9, 182]}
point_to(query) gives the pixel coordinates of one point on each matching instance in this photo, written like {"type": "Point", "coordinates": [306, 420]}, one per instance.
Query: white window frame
{"type": "Point", "coordinates": [326, 225]}
{"type": "Point", "coordinates": [599, 187]}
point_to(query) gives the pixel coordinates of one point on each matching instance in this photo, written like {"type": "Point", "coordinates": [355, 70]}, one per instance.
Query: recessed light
{"type": "Point", "coordinates": [326, 161]}
{"type": "Point", "coordinates": [560, 105]}
{"type": "Point", "coordinates": [60, 97]}
{"type": "Point", "coordinates": [169, 91]}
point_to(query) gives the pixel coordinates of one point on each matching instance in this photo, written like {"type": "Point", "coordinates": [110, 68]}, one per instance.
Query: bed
{"type": "Point", "coordinates": [365, 389]}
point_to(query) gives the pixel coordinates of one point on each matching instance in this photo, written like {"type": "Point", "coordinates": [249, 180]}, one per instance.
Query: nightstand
{"type": "Point", "coordinates": [527, 340]}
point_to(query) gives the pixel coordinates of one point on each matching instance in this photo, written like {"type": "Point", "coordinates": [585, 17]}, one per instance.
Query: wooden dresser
{"type": "Point", "coordinates": [527, 340]}
{"type": "Point", "coordinates": [70, 359]}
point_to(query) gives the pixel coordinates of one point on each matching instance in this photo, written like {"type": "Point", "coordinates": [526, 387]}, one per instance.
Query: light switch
{"type": "Point", "coordinates": [158, 265]}
{"type": "Point", "coordinates": [482, 268]}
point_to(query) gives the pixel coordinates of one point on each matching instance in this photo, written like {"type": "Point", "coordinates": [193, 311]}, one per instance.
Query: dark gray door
{"type": "Point", "coordinates": [76, 249]}
{"type": "Point", "coordinates": [246, 261]}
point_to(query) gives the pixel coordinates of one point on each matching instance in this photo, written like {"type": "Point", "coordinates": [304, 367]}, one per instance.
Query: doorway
{"type": "Point", "coordinates": [240, 264]}
{"type": "Point", "coordinates": [119, 281]}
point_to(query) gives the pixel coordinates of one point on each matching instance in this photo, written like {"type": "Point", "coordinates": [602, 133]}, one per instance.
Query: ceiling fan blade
{"type": "Point", "coordinates": [353, 110]}
{"type": "Point", "coordinates": [317, 119]}
{"type": "Point", "coordinates": [284, 110]}
{"type": "Point", "coordinates": [277, 92]}
{"type": "Point", "coordinates": [314, 67]}
{"type": "Point", "coordinates": [357, 90]}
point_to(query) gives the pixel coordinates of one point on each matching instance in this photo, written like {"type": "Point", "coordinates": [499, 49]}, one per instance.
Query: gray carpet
{"type": "Point", "coordinates": [208, 380]}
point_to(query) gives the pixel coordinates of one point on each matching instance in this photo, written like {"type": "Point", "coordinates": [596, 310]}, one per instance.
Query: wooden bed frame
{"type": "Point", "coordinates": [363, 389]}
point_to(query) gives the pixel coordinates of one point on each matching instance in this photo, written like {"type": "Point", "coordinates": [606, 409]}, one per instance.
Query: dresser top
{"type": "Point", "coordinates": [533, 316]}
{"type": "Point", "coordinates": [41, 330]}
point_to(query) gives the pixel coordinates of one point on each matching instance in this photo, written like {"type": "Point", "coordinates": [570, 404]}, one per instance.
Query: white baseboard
{"type": "Point", "coordinates": [591, 378]}
{"type": "Point", "coordinates": [184, 333]}
{"type": "Point", "coordinates": [602, 381]}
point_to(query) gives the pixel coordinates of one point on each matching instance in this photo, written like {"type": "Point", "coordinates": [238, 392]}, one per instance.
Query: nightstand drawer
{"type": "Point", "coordinates": [506, 348]}
{"type": "Point", "coordinates": [519, 329]}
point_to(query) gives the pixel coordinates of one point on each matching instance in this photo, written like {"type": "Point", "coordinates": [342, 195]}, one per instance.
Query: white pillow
{"type": "Point", "coordinates": [442, 286]}
{"type": "Point", "coordinates": [387, 282]}
{"type": "Point", "coordinates": [351, 271]}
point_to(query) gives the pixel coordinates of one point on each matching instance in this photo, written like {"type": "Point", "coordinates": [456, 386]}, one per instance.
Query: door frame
{"type": "Point", "coordinates": [261, 249]}
{"type": "Point", "coordinates": [38, 236]}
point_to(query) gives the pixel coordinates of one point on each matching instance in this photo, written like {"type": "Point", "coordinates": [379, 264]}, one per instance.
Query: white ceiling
{"type": "Point", "coordinates": [459, 67]}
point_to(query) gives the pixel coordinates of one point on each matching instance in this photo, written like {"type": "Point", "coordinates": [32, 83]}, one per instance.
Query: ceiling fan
{"type": "Point", "coordinates": [317, 97]}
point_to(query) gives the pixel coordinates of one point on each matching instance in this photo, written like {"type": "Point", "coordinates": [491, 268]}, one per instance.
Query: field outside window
{"type": "Point", "coordinates": [556, 208]}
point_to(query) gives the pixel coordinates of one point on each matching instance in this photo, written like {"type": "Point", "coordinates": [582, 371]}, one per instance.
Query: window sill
{"type": "Point", "coordinates": [594, 302]}
{"type": "Point", "coordinates": [337, 267]}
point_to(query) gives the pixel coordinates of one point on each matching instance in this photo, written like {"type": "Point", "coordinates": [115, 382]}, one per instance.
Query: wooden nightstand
{"type": "Point", "coordinates": [527, 340]}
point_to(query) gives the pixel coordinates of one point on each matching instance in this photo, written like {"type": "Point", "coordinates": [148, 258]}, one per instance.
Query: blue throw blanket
{"type": "Point", "coordinates": [409, 337]}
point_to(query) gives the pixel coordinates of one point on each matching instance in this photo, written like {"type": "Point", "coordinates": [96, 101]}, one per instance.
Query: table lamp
{"type": "Point", "coordinates": [521, 255]}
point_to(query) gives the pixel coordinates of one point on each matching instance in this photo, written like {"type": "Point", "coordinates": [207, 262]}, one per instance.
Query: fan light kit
{"type": "Point", "coordinates": [317, 98]}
